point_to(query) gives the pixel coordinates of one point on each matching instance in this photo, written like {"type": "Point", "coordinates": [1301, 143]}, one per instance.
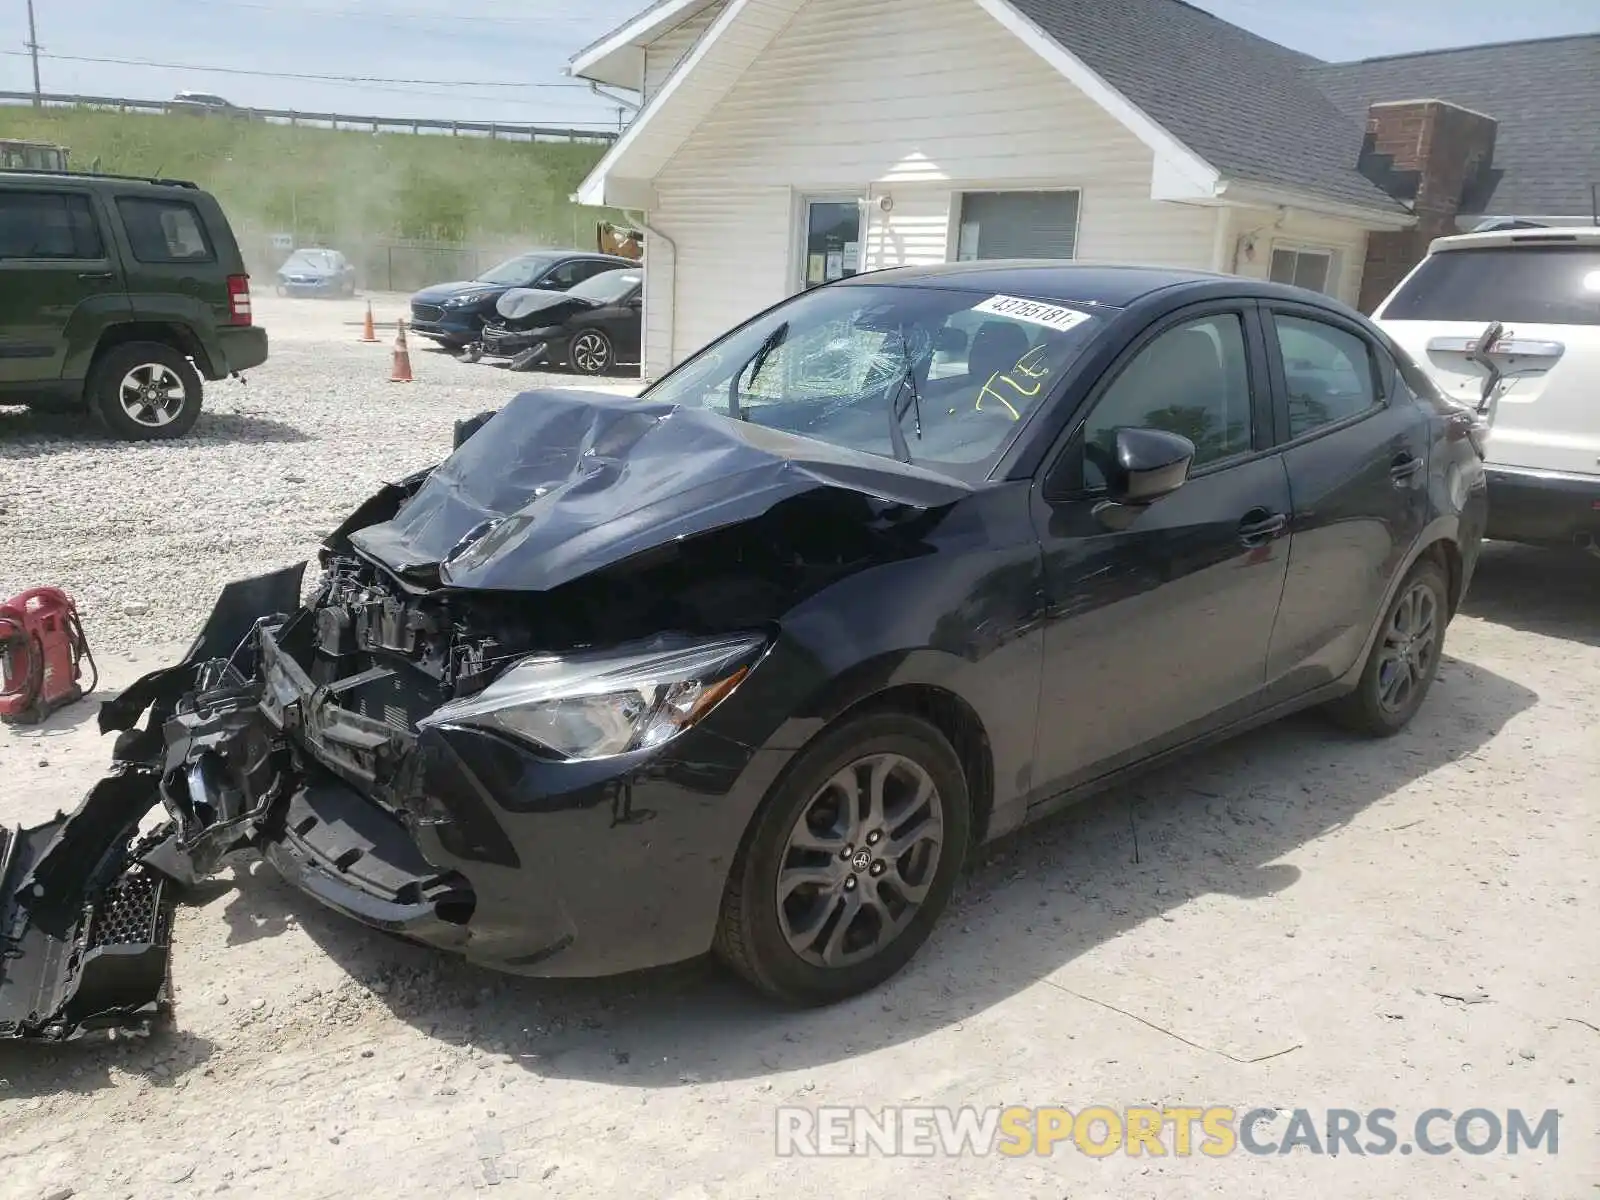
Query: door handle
{"type": "Point", "coordinates": [96, 276]}
{"type": "Point", "coordinates": [1254, 530]}
{"type": "Point", "coordinates": [1405, 465]}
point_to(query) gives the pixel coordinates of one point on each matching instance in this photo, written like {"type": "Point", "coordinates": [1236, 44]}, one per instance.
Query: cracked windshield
{"type": "Point", "coordinates": [916, 373]}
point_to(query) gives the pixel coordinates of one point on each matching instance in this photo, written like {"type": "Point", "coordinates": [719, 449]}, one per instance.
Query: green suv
{"type": "Point", "coordinates": [117, 295]}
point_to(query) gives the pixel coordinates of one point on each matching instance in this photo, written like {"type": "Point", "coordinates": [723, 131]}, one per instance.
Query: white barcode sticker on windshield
{"type": "Point", "coordinates": [1051, 316]}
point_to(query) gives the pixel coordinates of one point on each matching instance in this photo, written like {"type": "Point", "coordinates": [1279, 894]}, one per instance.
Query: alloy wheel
{"type": "Point", "coordinates": [152, 395]}
{"type": "Point", "coordinates": [590, 354]}
{"type": "Point", "coordinates": [1410, 644]}
{"type": "Point", "coordinates": [860, 860]}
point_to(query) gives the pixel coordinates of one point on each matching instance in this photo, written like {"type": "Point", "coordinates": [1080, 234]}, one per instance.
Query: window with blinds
{"type": "Point", "coordinates": [1018, 225]}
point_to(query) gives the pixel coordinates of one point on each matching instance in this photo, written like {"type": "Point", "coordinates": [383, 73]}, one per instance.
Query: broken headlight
{"type": "Point", "coordinates": [597, 706]}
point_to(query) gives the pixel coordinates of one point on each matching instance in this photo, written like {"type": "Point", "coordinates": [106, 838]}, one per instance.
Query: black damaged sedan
{"type": "Point", "coordinates": [591, 329]}
{"type": "Point", "coordinates": [753, 662]}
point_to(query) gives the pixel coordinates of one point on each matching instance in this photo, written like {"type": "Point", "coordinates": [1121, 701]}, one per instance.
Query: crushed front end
{"type": "Point", "coordinates": [523, 349]}
{"type": "Point", "coordinates": [497, 727]}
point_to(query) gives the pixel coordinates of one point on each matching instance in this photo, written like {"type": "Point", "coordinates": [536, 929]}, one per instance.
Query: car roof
{"type": "Point", "coordinates": [1555, 235]}
{"type": "Point", "coordinates": [1112, 286]}
{"type": "Point", "coordinates": [121, 182]}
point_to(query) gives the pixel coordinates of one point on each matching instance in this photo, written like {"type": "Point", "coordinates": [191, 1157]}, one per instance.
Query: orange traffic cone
{"type": "Point", "coordinates": [368, 333]}
{"type": "Point", "coordinates": [402, 356]}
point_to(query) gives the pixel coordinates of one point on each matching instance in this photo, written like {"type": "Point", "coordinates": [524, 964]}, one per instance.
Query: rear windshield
{"type": "Point", "coordinates": [1534, 285]}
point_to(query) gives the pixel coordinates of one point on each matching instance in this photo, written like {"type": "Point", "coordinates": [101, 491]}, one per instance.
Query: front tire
{"type": "Point", "coordinates": [591, 353]}
{"type": "Point", "coordinates": [145, 391]}
{"type": "Point", "coordinates": [1405, 658]}
{"type": "Point", "coordinates": [848, 863]}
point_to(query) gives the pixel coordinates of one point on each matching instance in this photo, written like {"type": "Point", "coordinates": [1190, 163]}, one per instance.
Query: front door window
{"type": "Point", "coordinates": [832, 245]}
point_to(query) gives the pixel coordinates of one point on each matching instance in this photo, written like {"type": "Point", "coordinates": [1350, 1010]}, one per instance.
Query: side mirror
{"type": "Point", "coordinates": [1147, 465]}
{"type": "Point", "coordinates": [636, 301]}
{"type": "Point", "coordinates": [950, 341]}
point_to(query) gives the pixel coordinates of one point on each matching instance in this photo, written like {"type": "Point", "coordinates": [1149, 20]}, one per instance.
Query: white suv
{"type": "Point", "coordinates": [1539, 381]}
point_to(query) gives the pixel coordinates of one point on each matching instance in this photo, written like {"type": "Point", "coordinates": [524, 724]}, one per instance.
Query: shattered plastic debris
{"type": "Point", "coordinates": [85, 920]}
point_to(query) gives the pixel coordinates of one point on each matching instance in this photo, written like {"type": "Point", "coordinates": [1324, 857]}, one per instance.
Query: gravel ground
{"type": "Point", "coordinates": [1295, 920]}
{"type": "Point", "coordinates": [144, 535]}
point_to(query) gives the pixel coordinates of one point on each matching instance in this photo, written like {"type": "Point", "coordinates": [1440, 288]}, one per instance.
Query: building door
{"type": "Point", "coordinates": [830, 246]}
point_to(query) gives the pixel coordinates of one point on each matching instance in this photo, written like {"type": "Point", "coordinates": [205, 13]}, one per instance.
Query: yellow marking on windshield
{"type": "Point", "coordinates": [1027, 368]}
{"type": "Point", "coordinates": [987, 390]}
{"type": "Point", "coordinates": [1027, 365]}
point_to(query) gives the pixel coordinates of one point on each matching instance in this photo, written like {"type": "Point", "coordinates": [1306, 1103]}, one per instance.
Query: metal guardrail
{"type": "Point", "coordinates": [488, 129]}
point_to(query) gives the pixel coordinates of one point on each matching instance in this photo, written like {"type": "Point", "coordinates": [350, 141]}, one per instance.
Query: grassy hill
{"type": "Point", "coordinates": [341, 188]}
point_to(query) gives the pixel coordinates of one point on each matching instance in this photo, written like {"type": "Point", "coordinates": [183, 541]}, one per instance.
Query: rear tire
{"type": "Point", "coordinates": [144, 391]}
{"type": "Point", "coordinates": [1404, 659]}
{"type": "Point", "coordinates": [818, 845]}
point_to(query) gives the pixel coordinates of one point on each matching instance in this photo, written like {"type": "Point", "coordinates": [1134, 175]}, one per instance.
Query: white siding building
{"type": "Point", "coordinates": [783, 143]}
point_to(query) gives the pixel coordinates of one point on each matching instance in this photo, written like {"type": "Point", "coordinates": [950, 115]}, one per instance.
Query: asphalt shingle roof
{"type": "Point", "coordinates": [1241, 102]}
{"type": "Point", "coordinates": [1545, 95]}
{"type": "Point", "coordinates": [1262, 113]}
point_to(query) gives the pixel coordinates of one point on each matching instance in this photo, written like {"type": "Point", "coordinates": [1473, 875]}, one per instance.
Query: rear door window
{"type": "Point", "coordinates": [48, 225]}
{"type": "Point", "coordinates": [1535, 285]}
{"type": "Point", "coordinates": [1328, 373]}
{"type": "Point", "coordinates": [165, 231]}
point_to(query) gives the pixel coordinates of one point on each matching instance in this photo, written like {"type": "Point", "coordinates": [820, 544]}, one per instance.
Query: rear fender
{"type": "Point", "coordinates": [1441, 530]}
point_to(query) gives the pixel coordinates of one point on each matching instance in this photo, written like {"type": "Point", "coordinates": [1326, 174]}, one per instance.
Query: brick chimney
{"type": "Point", "coordinates": [1426, 153]}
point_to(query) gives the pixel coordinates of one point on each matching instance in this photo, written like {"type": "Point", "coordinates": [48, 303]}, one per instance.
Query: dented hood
{"type": "Point", "coordinates": [561, 483]}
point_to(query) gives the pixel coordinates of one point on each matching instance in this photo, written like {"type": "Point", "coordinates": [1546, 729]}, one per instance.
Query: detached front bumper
{"type": "Point", "coordinates": [527, 349]}
{"type": "Point", "coordinates": [85, 920]}
{"type": "Point", "coordinates": [84, 929]}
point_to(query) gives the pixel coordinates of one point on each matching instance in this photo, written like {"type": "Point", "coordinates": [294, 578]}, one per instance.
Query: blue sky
{"type": "Point", "coordinates": [485, 43]}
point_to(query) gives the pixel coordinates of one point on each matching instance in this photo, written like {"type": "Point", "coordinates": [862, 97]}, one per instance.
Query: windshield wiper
{"type": "Point", "coordinates": [754, 364]}
{"type": "Point", "coordinates": [908, 379]}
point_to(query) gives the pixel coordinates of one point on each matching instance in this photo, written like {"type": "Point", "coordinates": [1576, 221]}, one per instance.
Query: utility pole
{"type": "Point", "coordinates": [33, 50]}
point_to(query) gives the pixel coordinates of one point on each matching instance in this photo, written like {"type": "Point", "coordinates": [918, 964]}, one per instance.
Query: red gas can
{"type": "Point", "coordinates": [42, 652]}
